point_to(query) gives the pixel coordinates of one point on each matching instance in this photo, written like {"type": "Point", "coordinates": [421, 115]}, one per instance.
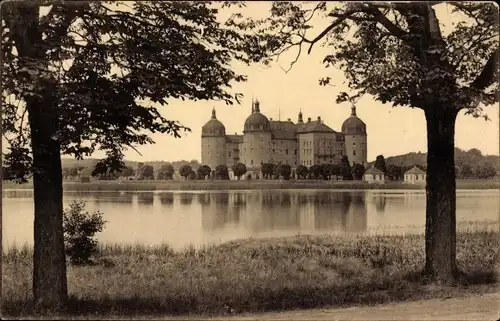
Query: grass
{"type": "Point", "coordinates": [254, 275]}
{"type": "Point", "coordinates": [253, 184]}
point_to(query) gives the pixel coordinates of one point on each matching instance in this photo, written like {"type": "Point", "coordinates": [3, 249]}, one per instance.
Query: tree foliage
{"type": "Point", "coordinates": [301, 172]}
{"type": "Point", "coordinates": [106, 66]}
{"type": "Point", "coordinates": [221, 172]}
{"type": "Point", "coordinates": [284, 171]}
{"type": "Point", "coordinates": [357, 171]}
{"type": "Point", "coordinates": [267, 170]}
{"type": "Point", "coordinates": [204, 172]}
{"type": "Point", "coordinates": [380, 164]}
{"type": "Point", "coordinates": [345, 170]}
{"type": "Point", "coordinates": [185, 171]}
{"type": "Point", "coordinates": [239, 169]}
{"type": "Point", "coordinates": [165, 172]}
{"type": "Point", "coordinates": [145, 172]}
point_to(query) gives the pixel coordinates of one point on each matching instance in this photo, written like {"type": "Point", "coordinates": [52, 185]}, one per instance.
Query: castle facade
{"type": "Point", "coordinates": [264, 140]}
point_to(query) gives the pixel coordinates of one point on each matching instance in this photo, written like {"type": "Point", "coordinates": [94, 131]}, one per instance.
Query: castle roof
{"type": "Point", "coordinates": [415, 170]}
{"type": "Point", "coordinates": [236, 139]}
{"type": "Point", "coordinates": [283, 129]}
{"type": "Point", "coordinates": [256, 122]}
{"type": "Point", "coordinates": [353, 125]}
{"type": "Point", "coordinates": [213, 127]}
{"type": "Point", "coordinates": [374, 170]}
{"type": "Point", "coordinates": [316, 126]}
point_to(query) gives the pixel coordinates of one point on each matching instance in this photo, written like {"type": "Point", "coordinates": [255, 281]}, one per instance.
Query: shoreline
{"type": "Point", "coordinates": [251, 185]}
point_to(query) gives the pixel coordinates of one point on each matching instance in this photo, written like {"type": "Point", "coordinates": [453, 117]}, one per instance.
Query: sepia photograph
{"type": "Point", "coordinates": [250, 160]}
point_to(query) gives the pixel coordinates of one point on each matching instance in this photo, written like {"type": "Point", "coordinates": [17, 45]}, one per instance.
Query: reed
{"type": "Point", "coordinates": [254, 275]}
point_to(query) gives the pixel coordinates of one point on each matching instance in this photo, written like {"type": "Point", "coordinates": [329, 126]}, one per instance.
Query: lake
{"type": "Point", "coordinates": [210, 217]}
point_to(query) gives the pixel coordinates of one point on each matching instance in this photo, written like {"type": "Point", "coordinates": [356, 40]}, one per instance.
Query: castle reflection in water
{"type": "Point", "coordinates": [270, 211]}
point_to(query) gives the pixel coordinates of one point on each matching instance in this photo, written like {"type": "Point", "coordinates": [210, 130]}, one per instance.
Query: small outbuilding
{"type": "Point", "coordinates": [415, 176]}
{"type": "Point", "coordinates": [374, 175]}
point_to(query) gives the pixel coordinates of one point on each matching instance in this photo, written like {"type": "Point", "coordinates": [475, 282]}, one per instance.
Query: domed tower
{"type": "Point", "coordinates": [213, 143]}
{"type": "Point", "coordinates": [256, 139]}
{"type": "Point", "coordinates": [354, 130]}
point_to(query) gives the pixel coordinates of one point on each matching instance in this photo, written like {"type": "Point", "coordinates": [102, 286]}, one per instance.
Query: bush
{"type": "Point", "coordinates": [80, 228]}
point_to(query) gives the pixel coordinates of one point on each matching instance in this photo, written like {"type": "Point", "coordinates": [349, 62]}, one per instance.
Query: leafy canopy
{"type": "Point", "coordinates": [395, 52]}
{"type": "Point", "coordinates": [106, 65]}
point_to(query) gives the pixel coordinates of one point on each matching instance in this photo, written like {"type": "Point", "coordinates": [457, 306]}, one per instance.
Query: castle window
{"type": "Point", "coordinates": [353, 137]}
{"type": "Point", "coordinates": [286, 151]}
{"type": "Point", "coordinates": [353, 152]}
{"type": "Point", "coordinates": [295, 152]}
{"type": "Point", "coordinates": [353, 144]}
{"type": "Point", "coordinates": [229, 154]}
{"type": "Point", "coordinates": [251, 162]}
{"type": "Point", "coordinates": [274, 151]}
{"type": "Point", "coordinates": [217, 154]}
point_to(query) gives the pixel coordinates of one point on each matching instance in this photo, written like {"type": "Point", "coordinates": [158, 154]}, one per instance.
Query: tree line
{"type": "Point", "coordinates": [343, 170]}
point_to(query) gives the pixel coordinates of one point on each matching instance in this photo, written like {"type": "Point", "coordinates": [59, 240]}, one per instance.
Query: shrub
{"type": "Point", "coordinates": [80, 228]}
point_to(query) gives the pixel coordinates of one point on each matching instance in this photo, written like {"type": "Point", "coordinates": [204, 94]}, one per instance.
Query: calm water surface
{"type": "Point", "coordinates": [197, 218]}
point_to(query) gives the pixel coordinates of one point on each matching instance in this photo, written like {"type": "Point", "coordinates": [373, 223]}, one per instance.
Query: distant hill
{"type": "Point", "coordinates": [471, 157]}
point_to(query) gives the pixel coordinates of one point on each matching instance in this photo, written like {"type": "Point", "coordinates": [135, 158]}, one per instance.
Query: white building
{"type": "Point", "coordinates": [415, 176]}
{"type": "Point", "coordinates": [374, 175]}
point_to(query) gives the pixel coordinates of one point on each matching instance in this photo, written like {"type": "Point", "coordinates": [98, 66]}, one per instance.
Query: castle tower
{"type": "Point", "coordinates": [213, 142]}
{"type": "Point", "coordinates": [256, 147]}
{"type": "Point", "coordinates": [354, 130]}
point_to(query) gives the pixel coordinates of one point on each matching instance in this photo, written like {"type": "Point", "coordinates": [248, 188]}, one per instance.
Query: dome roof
{"type": "Point", "coordinates": [256, 122]}
{"type": "Point", "coordinates": [213, 127]}
{"type": "Point", "coordinates": [354, 125]}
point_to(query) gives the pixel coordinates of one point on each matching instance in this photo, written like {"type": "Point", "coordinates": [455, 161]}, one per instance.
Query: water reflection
{"type": "Point", "coordinates": [145, 198]}
{"type": "Point", "coordinates": [186, 198]}
{"type": "Point", "coordinates": [166, 198]}
{"type": "Point", "coordinates": [266, 211]}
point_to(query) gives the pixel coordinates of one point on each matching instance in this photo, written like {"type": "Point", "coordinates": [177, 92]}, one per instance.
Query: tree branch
{"type": "Point", "coordinates": [489, 74]}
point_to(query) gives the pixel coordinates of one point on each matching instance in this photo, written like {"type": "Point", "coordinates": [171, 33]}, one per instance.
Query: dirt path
{"type": "Point", "coordinates": [483, 307]}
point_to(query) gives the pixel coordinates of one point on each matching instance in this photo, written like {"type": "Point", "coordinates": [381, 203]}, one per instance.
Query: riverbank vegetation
{"type": "Point", "coordinates": [149, 185]}
{"type": "Point", "coordinates": [255, 275]}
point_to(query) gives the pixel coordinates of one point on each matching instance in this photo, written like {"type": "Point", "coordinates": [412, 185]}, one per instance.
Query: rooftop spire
{"type": "Point", "coordinates": [353, 110]}
{"type": "Point", "coordinates": [253, 105]}
{"type": "Point", "coordinates": [257, 105]}
{"type": "Point", "coordinates": [213, 113]}
{"type": "Point", "coordinates": [300, 115]}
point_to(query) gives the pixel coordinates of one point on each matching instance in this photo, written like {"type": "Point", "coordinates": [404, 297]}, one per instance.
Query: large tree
{"type": "Point", "coordinates": [90, 76]}
{"type": "Point", "coordinates": [397, 53]}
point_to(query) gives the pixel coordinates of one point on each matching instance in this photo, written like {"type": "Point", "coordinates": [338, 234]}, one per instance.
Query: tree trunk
{"type": "Point", "coordinates": [440, 225]}
{"type": "Point", "coordinates": [49, 270]}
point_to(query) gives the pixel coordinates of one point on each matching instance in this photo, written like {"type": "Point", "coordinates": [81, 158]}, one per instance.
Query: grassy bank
{"type": "Point", "coordinates": [254, 275]}
{"type": "Point", "coordinates": [255, 184]}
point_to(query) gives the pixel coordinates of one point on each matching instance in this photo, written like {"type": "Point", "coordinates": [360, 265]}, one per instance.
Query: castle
{"type": "Point", "coordinates": [265, 140]}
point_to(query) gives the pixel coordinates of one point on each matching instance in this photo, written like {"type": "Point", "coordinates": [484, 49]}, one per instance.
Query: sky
{"type": "Point", "coordinates": [391, 131]}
